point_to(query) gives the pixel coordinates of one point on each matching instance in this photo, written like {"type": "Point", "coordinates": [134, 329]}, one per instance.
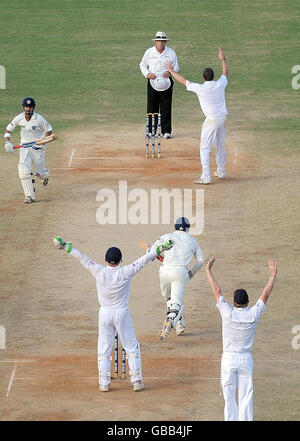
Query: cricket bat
{"type": "Point", "coordinates": [41, 141]}
{"type": "Point", "coordinates": [144, 247]}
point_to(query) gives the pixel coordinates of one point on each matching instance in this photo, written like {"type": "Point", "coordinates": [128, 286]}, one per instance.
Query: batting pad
{"type": "Point", "coordinates": [26, 180]}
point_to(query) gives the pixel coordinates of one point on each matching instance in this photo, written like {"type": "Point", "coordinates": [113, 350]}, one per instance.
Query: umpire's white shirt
{"type": "Point", "coordinates": [31, 130]}
{"type": "Point", "coordinates": [113, 283]}
{"type": "Point", "coordinates": [239, 325]}
{"type": "Point", "coordinates": [185, 247]}
{"type": "Point", "coordinates": [211, 95]}
{"type": "Point", "coordinates": [154, 62]}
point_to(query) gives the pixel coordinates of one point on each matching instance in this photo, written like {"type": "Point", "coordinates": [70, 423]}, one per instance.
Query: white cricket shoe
{"type": "Point", "coordinates": [202, 181]}
{"type": "Point", "coordinates": [219, 175]}
{"type": "Point", "coordinates": [103, 388]}
{"type": "Point", "coordinates": [138, 385]}
{"type": "Point", "coordinates": [28, 200]}
{"type": "Point", "coordinates": [167, 136]}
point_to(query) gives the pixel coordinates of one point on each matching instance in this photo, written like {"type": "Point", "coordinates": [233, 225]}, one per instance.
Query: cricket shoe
{"type": "Point", "coordinates": [202, 181]}
{"type": "Point", "coordinates": [138, 386]}
{"type": "Point", "coordinates": [167, 136]}
{"type": "Point", "coordinates": [28, 200]}
{"type": "Point", "coordinates": [167, 326]}
{"type": "Point", "coordinates": [103, 388]}
{"type": "Point", "coordinates": [219, 175]}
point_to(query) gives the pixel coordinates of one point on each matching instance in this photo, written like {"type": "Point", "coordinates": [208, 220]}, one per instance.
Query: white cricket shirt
{"type": "Point", "coordinates": [31, 130]}
{"type": "Point", "coordinates": [183, 250]}
{"type": "Point", "coordinates": [154, 62]}
{"type": "Point", "coordinates": [239, 325]}
{"type": "Point", "coordinates": [113, 283]}
{"type": "Point", "coordinates": [211, 96]}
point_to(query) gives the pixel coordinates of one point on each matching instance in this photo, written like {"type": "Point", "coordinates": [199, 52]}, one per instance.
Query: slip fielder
{"type": "Point", "coordinates": [174, 273]}
{"type": "Point", "coordinates": [33, 126]}
{"type": "Point", "coordinates": [113, 287]}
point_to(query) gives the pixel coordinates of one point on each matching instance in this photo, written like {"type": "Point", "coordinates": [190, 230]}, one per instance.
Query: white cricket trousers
{"type": "Point", "coordinates": [213, 131]}
{"type": "Point", "coordinates": [26, 157]}
{"type": "Point", "coordinates": [236, 374]}
{"type": "Point", "coordinates": [173, 281]}
{"type": "Point", "coordinates": [111, 320]}
{"type": "Point", "coordinates": [29, 155]}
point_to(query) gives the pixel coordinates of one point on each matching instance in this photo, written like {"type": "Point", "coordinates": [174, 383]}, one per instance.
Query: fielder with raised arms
{"type": "Point", "coordinates": [33, 126]}
{"type": "Point", "coordinates": [238, 329]}
{"type": "Point", "coordinates": [113, 287]}
{"type": "Point", "coordinates": [211, 95]}
{"type": "Point", "coordinates": [174, 273]}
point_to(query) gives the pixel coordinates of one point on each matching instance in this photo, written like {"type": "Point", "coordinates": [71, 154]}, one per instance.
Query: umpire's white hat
{"type": "Point", "coordinates": [161, 36]}
{"type": "Point", "coordinates": [160, 84]}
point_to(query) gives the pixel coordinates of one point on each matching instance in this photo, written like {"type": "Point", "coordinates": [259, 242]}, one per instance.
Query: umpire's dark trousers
{"type": "Point", "coordinates": [161, 102]}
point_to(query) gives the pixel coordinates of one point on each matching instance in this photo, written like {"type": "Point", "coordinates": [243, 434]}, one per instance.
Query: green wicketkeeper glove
{"type": "Point", "coordinates": [165, 246]}
{"type": "Point", "coordinates": [62, 245]}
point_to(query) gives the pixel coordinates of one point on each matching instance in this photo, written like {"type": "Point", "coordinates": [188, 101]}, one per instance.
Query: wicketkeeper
{"type": "Point", "coordinates": [174, 273]}
{"type": "Point", "coordinates": [33, 126]}
{"type": "Point", "coordinates": [113, 287]}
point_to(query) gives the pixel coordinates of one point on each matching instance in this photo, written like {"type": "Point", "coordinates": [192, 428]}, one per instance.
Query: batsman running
{"type": "Point", "coordinates": [174, 273]}
{"type": "Point", "coordinates": [33, 126]}
{"type": "Point", "coordinates": [113, 287]}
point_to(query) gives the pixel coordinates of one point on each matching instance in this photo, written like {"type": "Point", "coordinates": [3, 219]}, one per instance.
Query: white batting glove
{"type": "Point", "coordinates": [9, 147]}
{"type": "Point", "coordinates": [62, 245]}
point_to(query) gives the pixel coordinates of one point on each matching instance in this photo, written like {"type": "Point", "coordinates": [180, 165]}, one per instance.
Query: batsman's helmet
{"type": "Point", "coordinates": [28, 102]}
{"type": "Point", "coordinates": [113, 255]}
{"type": "Point", "coordinates": [182, 224]}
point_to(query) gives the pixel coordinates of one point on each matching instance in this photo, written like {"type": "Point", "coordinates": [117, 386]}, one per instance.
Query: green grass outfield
{"type": "Point", "coordinates": [80, 60]}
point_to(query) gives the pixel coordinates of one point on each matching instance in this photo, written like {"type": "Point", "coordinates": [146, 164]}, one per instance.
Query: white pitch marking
{"type": "Point", "coordinates": [71, 158]}
{"type": "Point", "coordinates": [25, 378]}
{"type": "Point", "coordinates": [11, 380]}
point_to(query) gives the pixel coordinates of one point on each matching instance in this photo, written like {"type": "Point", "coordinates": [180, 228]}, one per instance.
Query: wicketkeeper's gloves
{"type": "Point", "coordinates": [62, 245]}
{"type": "Point", "coordinates": [165, 246]}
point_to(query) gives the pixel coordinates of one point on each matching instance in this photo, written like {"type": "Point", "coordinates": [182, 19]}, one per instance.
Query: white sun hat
{"type": "Point", "coordinates": [161, 36]}
{"type": "Point", "coordinates": [160, 84]}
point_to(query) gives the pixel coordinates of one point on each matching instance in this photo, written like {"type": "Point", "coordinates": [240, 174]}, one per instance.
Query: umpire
{"type": "Point", "coordinates": [160, 83]}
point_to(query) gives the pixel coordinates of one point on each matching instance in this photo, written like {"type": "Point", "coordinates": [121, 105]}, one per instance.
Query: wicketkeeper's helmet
{"type": "Point", "coordinates": [28, 102]}
{"type": "Point", "coordinates": [182, 224]}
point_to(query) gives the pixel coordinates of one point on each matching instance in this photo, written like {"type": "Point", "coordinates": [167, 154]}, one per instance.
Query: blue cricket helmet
{"type": "Point", "coordinates": [182, 223]}
{"type": "Point", "coordinates": [28, 102]}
